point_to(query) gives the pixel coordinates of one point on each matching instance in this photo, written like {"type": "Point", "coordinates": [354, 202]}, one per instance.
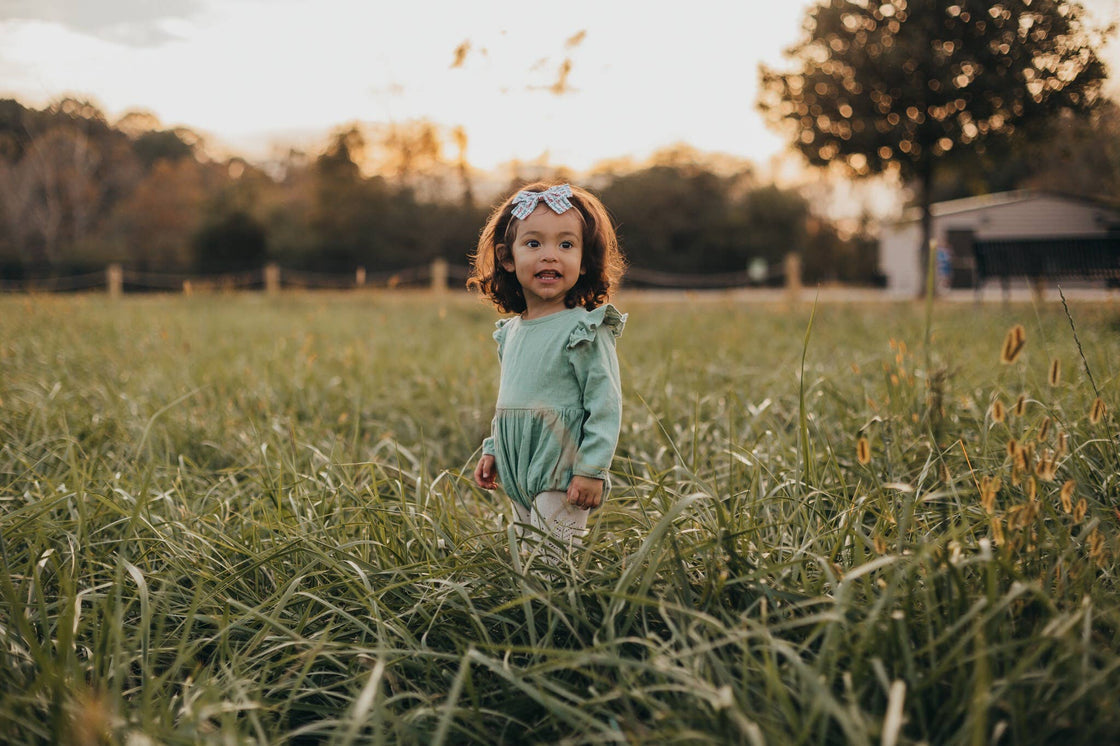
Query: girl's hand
{"type": "Point", "coordinates": [585, 492]}
{"type": "Point", "coordinates": [486, 473]}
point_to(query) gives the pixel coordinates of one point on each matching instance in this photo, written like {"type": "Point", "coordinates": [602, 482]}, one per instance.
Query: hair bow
{"type": "Point", "coordinates": [555, 197]}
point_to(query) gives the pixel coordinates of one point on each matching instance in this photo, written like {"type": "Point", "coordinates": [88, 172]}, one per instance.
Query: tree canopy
{"type": "Point", "coordinates": [77, 192]}
{"type": "Point", "coordinates": [904, 85]}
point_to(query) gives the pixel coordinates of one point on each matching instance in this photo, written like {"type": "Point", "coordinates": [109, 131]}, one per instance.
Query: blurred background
{"type": "Point", "coordinates": [353, 143]}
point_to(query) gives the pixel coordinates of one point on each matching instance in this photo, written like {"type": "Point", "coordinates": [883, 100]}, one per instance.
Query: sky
{"type": "Point", "coordinates": [570, 83]}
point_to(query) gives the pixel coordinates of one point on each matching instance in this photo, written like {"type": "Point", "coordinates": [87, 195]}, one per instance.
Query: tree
{"type": "Point", "coordinates": [908, 86]}
{"type": "Point", "coordinates": [158, 145]}
{"type": "Point", "coordinates": [158, 219]}
{"type": "Point", "coordinates": [674, 219]}
{"type": "Point", "coordinates": [410, 155]}
{"type": "Point", "coordinates": [1081, 156]}
{"type": "Point", "coordinates": [679, 216]}
{"type": "Point", "coordinates": [233, 242]}
{"type": "Point", "coordinates": [52, 195]}
{"type": "Point", "coordinates": [775, 223]}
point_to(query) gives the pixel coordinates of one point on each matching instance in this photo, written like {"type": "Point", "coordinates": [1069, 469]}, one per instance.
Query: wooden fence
{"type": "Point", "coordinates": [437, 276]}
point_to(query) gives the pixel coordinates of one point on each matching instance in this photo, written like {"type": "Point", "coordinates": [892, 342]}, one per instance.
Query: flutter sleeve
{"type": "Point", "coordinates": [488, 448]}
{"type": "Point", "coordinates": [592, 355]}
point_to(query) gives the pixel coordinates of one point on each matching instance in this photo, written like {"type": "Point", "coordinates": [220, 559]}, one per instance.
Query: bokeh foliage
{"type": "Point", "coordinates": [912, 86]}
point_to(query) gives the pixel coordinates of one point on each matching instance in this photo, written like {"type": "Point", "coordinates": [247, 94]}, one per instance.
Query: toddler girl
{"type": "Point", "coordinates": [550, 255]}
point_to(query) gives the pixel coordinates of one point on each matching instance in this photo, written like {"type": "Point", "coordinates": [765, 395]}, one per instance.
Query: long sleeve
{"type": "Point", "coordinates": [596, 368]}
{"type": "Point", "coordinates": [488, 445]}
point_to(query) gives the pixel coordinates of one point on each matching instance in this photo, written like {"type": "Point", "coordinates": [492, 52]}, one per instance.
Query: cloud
{"type": "Point", "coordinates": [136, 23]}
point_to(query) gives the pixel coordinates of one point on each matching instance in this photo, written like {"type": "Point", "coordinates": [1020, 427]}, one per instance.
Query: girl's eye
{"type": "Point", "coordinates": [532, 243]}
{"type": "Point", "coordinates": [566, 244]}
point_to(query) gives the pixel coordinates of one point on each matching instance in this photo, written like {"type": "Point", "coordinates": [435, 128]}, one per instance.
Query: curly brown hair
{"type": "Point", "coordinates": [603, 262]}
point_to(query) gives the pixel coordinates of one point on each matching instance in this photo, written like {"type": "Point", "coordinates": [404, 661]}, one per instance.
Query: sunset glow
{"type": "Point", "coordinates": [530, 82]}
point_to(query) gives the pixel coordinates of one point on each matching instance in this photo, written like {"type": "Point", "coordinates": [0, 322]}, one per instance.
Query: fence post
{"type": "Point", "coordinates": [114, 278]}
{"type": "Point", "coordinates": [360, 277]}
{"type": "Point", "coordinates": [439, 275]}
{"type": "Point", "coordinates": [793, 275]}
{"type": "Point", "coordinates": [1038, 288]}
{"type": "Point", "coordinates": [272, 278]}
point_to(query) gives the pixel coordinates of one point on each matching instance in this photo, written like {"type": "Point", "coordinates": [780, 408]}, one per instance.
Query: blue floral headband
{"type": "Point", "coordinates": [555, 197]}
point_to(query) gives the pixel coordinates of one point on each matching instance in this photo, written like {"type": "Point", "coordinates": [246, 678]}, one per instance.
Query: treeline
{"type": "Point", "coordinates": [80, 192]}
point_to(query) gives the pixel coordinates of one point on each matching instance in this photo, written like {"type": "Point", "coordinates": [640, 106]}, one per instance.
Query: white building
{"type": "Point", "coordinates": [956, 224]}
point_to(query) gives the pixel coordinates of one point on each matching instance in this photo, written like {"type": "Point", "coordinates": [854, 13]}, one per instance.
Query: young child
{"type": "Point", "coordinates": [550, 255]}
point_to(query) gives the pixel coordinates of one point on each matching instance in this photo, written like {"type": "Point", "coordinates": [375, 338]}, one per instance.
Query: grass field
{"type": "Point", "coordinates": [245, 519]}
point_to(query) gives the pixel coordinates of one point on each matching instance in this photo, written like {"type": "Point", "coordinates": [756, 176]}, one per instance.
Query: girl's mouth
{"type": "Point", "coordinates": [548, 274]}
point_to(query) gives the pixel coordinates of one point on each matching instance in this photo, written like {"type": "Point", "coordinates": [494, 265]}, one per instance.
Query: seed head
{"type": "Point", "coordinates": [1097, 547]}
{"type": "Point", "coordinates": [998, 412]}
{"type": "Point", "coordinates": [863, 450]}
{"type": "Point", "coordinates": [1096, 412]}
{"type": "Point", "coordinates": [1097, 550]}
{"type": "Point", "coordinates": [1015, 519]}
{"type": "Point", "coordinates": [1021, 405]}
{"type": "Point", "coordinates": [1063, 443]}
{"type": "Point", "coordinates": [1047, 466]}
{"type": "Point", "coordinates": [1066, 495]}
{"type": "Point", "coordinates": [1044, 429]}
{"type": "Point", "coordinates": [989, 487]}
{"type": "Point", "coordinates": [92, 719]}
{"type": "Point", "coordinates": [1055, 372]}
{"type": "Point", "coordinates": [1080, 510]}
{"type": "Point", "coordinates": [1012, 344]}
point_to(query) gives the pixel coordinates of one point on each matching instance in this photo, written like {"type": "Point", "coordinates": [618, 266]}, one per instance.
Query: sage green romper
{"type": "Point", "coordinates": [559, 405]}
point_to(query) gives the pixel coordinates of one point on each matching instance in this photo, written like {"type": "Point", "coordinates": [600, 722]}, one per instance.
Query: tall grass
{"type": "Point", "coordinates": [242, 519]}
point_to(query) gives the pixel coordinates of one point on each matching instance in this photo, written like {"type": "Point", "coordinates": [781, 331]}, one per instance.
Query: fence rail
{"type": "Point", "coordinates": [436, 275]}
{"type": "Point", "coordinates": [1091, 257]}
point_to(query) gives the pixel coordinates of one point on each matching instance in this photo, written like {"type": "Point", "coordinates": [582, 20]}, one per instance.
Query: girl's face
{"type": "Point", "coordinates": [547, 257]}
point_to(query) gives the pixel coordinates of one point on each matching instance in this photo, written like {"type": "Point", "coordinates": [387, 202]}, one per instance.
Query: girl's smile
{"type": "Point", "coordinates": [547, 257]}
